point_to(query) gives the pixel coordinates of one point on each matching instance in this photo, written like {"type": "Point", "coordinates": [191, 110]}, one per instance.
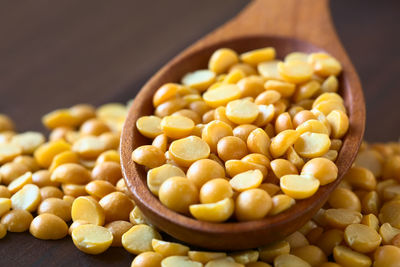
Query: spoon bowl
{"type": "Point", "coordinates": [237, 235]}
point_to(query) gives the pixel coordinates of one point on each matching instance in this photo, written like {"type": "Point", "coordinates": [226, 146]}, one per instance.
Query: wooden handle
{"type": "Point", "coordinates": [307, 20]}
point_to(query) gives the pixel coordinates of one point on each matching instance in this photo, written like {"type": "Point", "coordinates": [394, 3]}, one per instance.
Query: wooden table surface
{"type": "Point", "coordinates": [58, 53]}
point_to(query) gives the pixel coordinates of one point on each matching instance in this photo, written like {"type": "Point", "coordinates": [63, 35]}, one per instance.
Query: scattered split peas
{"type": "Point", "coordinates": [359, 226]}
{"type": "Point", "coordinates": [286, 111]}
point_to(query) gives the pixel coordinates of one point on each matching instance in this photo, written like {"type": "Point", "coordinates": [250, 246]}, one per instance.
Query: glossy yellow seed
{"type": "Point", "coordinates": [259, 142]}
{"type": "Point", "coordinates": [178, 193]}
{"type": "Point", "coordinates": [265, 115]}
{"type": "Point", "coordinates": [233, 77]}
{"type": "Point", "coordinates": [28, 141]}
{"type": "Point", "coordinates": [241, 111]}
{"type": "Point", "coordinates": [204, 170]}
{"type": "Point", "coordinates": [99, 188]}
{"type": "Point", "coordinates": [362, 238]}
{"type": "Point", "coordinates": [56, 206]}
{"type": "Point", "coordinates": [118, 228]}
{"type": "Point", "coordinates": [282, 167]}
{"type": "Point", "coordinates": [205, 256]}
{"type": "Point", "coordinates": [246, 180]}
{"type": "Point", "coordinates": [329, 240]}
{"type": "Point", "coordinates": [311, 254]}
{"type": "Point", "coordinates": [45, 154]}
{"type": "Point", "coordinates": [156, 176]}
{"type": "Point", "coordinates": [222, 59]}
{"type": "Point", "coordinates": [361, 178]}
{"type": "Point", "coordinates": [170, 106]}
{"type": "Point", "coordinates": [6, 124]}
{"type": "Point", "coordinates": [48, 227]}
{"type": "Point", "coordinates": [8, 152]}
{"type": "Point", "coordinates": [92, 239]}
{"type": "Point", "coordinates": [234, 167]}
{"type": "Point", "coordinates": [136, 216]}
{"type": "Point", "coordinates": [221, 95]}
{"type": "Point", "coordinates": [3, 231]}
{"type": "Point", "coordinates": [269, 252]}
{"type": "Point", "coordinates": [257, 56]}
{"type": "Point", "coordinates": [388, 232]}
{"type": "Point", "coordinates": [182, 261]}
{"type": "Point", "coordinates": [344, 198]}
{"type": "Point", "coordinates": [164, 93]}
{"type": "Point", "coordinates": [138, 239]}
{"type": "Point", "coordinates": [283, 122]}
{"type": "Point", "coordinates": [323, 169]}
{"type": "Point", "coordinates": [282, 141]}
{"type": "Point", "coordinates": [5, 205]}
{"type": "Point", "coordinates": [245, 257]}
{"type": "Point", "coordinates": [147, 259]}
{"type": "Point", "coordinates": [215, 190]}
{"type": "Point", "coordinates": [167, 249]}
{"type": "Point", "coordinates": [71, 173]}
{"type": "Point", "coordinates": [161, 142]}
{"type": "Point", "coordinates": [231, 147]}
{"type": "Point", "coordinates": [281, 203]}
{"type": "Point", "coordinates": [340, 218]}
{"type": "Point", "coordinates": [285, 89]}
{"type": "Point", "coordinates": [330, 84]}
{"type": "Point", "coordinates": [17, 220]}
{"type": "Point", "coordinates": [149, 126]}
{"type": "Point", "coordinates": [87, 209]}
{"type": "Point", "coordinates": [314, 126]}
{"type": "Point", "coordinates": [176, 126]}
{"type": "Point", "coordinates": [90, 147]}
{"type": "Point", "coordinates": [62, 158]}
{"type": "Point", "coordinates": [299, 187]}
{"type": "Point", "coordinates": [116, 206]}
{"type": "Point", "coordinates": [347, 257]}
{"type": "Point", "coordinates": [288, 260]}
{"type": "Point", "coordinates": [339, 123]}
{"type": "Point", "coordinates": [27, 198]}
{"type": "Point", "coordinates": [326, 107]}
{"type": "Point", "coordinates": [220, 115]}
{"type": "Point", "coordinates": [243, 131]}
{"type": "Point", "coordinates": [213, 212]}
{"type": "Point", "coordinates": [312, 145]}
{"type": "Point", "coordinates": [58, 118]}
{"type": "Point", "coordinates": [199, 79]}
{"type": "Point", "coordinates": [251, 86]}
{"type": "Point", "coordinates": [187, 150]}
{"type": "Point", "coordinates": [20, 182]}
{"type": "Point", "coordinates": [324, 64]}
{"type": "Point", "coordinates": [252, 204]}
{"type": "Point", "coordinates": [387, 256]}
{"type": "Point", "coordinates": [306, 91]}
{"type": "Point", "coordinates": [149, 156]}
{"type": "Point", "coordinates": [269, 70]}
{"type": "Point", "coordinates": [295, 71]}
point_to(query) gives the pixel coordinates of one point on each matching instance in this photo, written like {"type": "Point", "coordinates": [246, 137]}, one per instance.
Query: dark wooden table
{"type": "Point", "coordinates": [58, 53]}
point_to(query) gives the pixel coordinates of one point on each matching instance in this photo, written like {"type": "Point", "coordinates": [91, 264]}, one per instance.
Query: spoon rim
{"type": "Point", "coordinates": [132, 172]}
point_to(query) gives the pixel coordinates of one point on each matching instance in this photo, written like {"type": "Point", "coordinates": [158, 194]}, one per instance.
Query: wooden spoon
{"type": "Point", "coordinates": [287, 25]}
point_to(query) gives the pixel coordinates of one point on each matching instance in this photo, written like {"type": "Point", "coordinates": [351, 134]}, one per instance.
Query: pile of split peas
{"type": "Point", "coordinates": [245, 138]}
{"type": "Point", "coordinates": [70, 184]}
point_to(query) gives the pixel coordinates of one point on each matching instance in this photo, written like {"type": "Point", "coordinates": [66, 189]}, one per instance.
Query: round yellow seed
{"type": "Point", "coordinates": [48, 227]}
{"type": "Point", "coordinates": [176, 126]}
{"type": "Point", "coordinates": [187, 150]}
{"type": "Point", "coordinates": [92, 239]}
{"type": "Point", "coordinates": [241, 111]}
{"type": "Point", "coordinates": [299, 187]}
{"type": "Point", "coordinates": [149, 126]}
{"type": "Point", "coordinates": [312, 145]}
{"type": "Point", "coordinates": [221, 95]}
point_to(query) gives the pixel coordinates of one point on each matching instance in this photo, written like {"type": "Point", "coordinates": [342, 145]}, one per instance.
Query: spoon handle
{"type": "Point", "coordinates": [307, 20]}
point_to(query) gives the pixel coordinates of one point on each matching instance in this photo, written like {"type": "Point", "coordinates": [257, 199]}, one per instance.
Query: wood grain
{"type": "Point", "coordinates": [58, 53]}
{"type": "Point", "coordinates": [251, 29]}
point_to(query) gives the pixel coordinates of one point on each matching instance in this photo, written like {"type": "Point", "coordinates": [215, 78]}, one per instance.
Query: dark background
{"type": "Point", "coordinates": [56, 54]}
